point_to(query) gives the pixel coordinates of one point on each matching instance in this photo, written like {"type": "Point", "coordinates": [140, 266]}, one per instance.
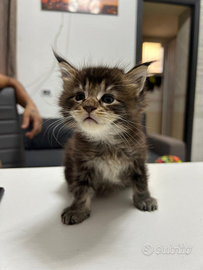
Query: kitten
{"type": "Point", "coordinates": [108, 149]}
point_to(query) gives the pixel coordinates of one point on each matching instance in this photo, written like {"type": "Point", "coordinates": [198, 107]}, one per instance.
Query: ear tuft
{"type": "Point", "coordinates": [138, 76]}
{"type": "Point", "coordinates": [59, 58]}
{"type": "Point", "coordinates": [67, 70]}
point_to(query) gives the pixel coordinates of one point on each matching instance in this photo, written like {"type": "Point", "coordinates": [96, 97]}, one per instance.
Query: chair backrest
{"type": "Point", "coordinates": [11, 138]}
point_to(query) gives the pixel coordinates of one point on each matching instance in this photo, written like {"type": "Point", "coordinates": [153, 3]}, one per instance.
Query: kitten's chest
{"type": "Point", "coordinates": [110, 166]}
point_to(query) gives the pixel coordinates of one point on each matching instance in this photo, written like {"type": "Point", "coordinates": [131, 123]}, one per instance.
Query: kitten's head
{"type": "Point", "coordinates": [101, 101]}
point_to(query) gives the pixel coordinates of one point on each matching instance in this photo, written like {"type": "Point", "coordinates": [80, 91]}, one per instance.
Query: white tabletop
{"type": "Point", "coordinates": [33, 237]}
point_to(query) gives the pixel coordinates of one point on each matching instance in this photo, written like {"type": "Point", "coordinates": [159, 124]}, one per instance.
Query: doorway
{"type": "Point", "coordinates": [172, 28]}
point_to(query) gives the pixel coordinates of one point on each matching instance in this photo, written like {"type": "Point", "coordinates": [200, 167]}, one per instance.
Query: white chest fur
{"type": "Point", "coordinates": [111, 169]}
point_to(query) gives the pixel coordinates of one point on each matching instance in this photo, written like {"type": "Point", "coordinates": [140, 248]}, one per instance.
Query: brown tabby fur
{"type": "Point", "coordinates": [109, 151]}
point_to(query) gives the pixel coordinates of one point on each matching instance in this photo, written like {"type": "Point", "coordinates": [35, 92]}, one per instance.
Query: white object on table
{"type": "Point", "coordinates": [116, 236]}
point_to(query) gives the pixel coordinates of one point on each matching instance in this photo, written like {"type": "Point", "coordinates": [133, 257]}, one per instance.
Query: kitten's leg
{"type": "Point", "coordinates": [80, 208]}
{"type": "Point", "coordinates": [141, 195]}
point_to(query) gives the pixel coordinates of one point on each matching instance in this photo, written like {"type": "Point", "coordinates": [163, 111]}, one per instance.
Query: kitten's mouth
{"type": "Point", "coordinates": [90, 120]}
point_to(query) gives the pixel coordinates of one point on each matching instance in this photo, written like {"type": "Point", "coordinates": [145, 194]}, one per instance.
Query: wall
{"type": "Point", "coordinates": [197, 139]}
{"type": "Point", "coordinates": [168, 86]}
{"type": "Point", "coordinates": [80, 38]}
{"type": "Point", "coordinates": [154, 110]}
{"type": "Point", "coordinates": [180, 89]}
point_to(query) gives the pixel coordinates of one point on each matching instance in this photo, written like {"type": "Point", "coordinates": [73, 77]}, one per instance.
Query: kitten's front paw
{"type": "Point", "coordinates": [70, 216]}
{"type": "Point", "coordinates": [149, 204]}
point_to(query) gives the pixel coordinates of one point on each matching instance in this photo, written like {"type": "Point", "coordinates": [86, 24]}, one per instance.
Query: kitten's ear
{"type": "Point", "coordinates": [138, 76]}
{"type": "Point", "coordinates": [67, 70]}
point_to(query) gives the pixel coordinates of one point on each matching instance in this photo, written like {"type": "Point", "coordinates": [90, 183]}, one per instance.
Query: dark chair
{"type": "Point", "coordinates": [160, 145]}
{"type": "Point", "coordinates": [11, 138]}
{"type": "Point", "coordinates": [47, 148]}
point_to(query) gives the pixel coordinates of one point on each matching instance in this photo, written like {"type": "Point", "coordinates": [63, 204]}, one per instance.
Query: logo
{"type": "Point", "coordinates": [147, 249]}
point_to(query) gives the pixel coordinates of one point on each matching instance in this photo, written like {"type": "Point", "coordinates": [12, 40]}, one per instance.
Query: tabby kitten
{"type": "Point", "coordinates": [108, 149]}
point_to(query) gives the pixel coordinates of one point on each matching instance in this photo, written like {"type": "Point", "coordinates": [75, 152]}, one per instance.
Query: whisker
{"type": "Point", "coordinates": [131, 127]}
{"type": "Point", "coordinates": [53, 132]}
{"type": "Point", "coordinates": [48, 128]}
{"type": "Point", "coordinates": [125, 134]}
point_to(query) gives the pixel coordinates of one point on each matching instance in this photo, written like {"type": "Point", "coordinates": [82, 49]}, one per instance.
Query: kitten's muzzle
{"type": "Point", "coordinates": [89, 109]}
{"type": "Point", "coordinates": [90, 118]}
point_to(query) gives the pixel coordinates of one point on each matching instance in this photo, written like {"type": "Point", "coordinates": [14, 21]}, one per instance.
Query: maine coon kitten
{"type": "Point", "coordinates": [108, 149]}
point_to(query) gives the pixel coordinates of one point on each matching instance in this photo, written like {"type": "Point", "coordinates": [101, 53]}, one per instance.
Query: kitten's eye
{"type": "Point", "coordinates": [80, 96]}
{"type": "Point", "coordinates": [107, 99]}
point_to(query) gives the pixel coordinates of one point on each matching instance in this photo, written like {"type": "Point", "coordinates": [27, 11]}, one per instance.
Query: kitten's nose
{"type": "Point", "coordinates": [89, 109]}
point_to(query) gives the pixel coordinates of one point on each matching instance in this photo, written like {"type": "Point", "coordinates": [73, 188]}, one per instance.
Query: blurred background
{"type": "Point", "coordinates": [97, 35]}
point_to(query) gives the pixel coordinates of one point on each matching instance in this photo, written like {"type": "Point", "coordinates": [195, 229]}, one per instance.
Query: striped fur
{"type": "Point", "coordinates": [108, 150]}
